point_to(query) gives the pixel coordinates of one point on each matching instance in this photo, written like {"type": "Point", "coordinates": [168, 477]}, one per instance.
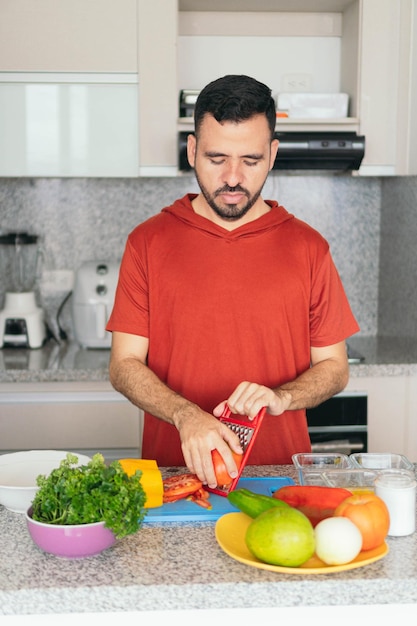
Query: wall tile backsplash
{"type": "Point", "coordinates": [370, 223]}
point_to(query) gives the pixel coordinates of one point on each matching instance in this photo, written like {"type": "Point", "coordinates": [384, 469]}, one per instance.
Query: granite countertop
{"type": "Point", "coordinates": [68, 362]}
{"type": "Point", "coordinates": [180, 566]}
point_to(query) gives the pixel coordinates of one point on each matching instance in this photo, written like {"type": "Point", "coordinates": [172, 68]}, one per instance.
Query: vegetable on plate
{"type": "Point", "coordinates": [251, 503]}
{"type": "Point", "coordinates": [315, 501]}
{"type": "Point", "coordinates": [370, 514]}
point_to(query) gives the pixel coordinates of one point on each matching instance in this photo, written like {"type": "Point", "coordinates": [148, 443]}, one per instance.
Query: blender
{"type": "Point", "coordinates": [22, 321]}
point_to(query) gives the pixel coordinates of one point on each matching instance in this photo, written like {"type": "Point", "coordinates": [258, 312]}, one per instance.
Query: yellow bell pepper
{"type": "Point", "coordinates": [151, 479]}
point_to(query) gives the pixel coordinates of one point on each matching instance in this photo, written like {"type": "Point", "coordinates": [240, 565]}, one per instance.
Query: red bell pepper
{"type": "Point", "coordinates": [316, 502]}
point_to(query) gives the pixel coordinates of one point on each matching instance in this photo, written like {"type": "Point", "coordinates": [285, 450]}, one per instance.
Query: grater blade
{"type": "Point", "coordinates": [245, 433]}
{"type": "Point", "coordinates": [246, 430]}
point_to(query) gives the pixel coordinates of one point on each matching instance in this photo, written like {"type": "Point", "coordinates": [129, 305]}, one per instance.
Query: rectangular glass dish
{"type": "Point", "coordinates": [380, 461]}
{"type": "Point", "coordinates": [310, 466]}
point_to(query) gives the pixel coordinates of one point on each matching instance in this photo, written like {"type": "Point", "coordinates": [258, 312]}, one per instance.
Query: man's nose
{"type": "Point", "coordinates": [233, 174]}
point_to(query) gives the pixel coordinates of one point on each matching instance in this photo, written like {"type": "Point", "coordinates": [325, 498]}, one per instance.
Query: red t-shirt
{"type": "Point", "coordinates": [220, 307]}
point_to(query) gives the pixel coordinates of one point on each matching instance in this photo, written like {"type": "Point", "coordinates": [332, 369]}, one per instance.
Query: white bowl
{"type": "Point", "coordinates": [19, 471]}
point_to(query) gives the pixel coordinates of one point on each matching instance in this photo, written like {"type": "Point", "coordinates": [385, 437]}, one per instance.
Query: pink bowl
{"type": "Point", "coordinates": [71, 542]}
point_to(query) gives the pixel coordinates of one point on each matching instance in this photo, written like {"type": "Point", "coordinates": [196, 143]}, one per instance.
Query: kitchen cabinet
{"type": "Point", "coordinates": [68, 36]}
{"type": "Point", "coordinates": [392, 413]}
{"type": "Point", "coordinates": [364, 48]}
{"type": "Point", "coordinates": [88, 89]}
{"type": "Point", "coordinates": [388, 96]}
{"type": "Point", "coordinates": [387, 406]}
{"type": "Point", "coordinates": [54, 124]}
{"type": "Point", "coordinates": [68, 88]}
{"type": "Point", "coordinates": [74, 416]}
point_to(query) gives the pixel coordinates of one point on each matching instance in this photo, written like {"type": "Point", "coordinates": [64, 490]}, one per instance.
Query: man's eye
{"type": "Point", "coordinates": [251, 163]}
{"type": "Point", "coordinates": [217, 161]}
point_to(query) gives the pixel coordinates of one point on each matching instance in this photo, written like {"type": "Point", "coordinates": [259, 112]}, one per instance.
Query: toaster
{"type": "Point", "coordinates": [92, 302]}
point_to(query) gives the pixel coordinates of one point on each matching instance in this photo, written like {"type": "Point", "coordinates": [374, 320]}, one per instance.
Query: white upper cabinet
{"type": "Point", "coordinates": [85, 125]}
{"type": "Point", "coordinates": [144, 52]}
{"type": "Point", "coordinates": [158, 102]}
{"type": "Point", "coordinates": [88, 88]}
{"type": "Point", "coordinates": [68, 36]}
{"type": "Point", "coordinates": [364, 48]}
{"type": "Point", "coordinates": [386, 87]}
{"type": "Point", "coordinates": [69, 88]}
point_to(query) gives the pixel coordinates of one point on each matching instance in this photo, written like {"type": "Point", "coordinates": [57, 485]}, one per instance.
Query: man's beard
{"type": "Point", "coordinates": [230, 212]}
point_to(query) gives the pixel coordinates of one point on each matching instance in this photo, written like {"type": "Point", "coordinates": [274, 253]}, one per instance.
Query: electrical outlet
{"type": "Point", "coordinates": [297, 82]}
{"type": "Point", "coordinates": [57, 280]}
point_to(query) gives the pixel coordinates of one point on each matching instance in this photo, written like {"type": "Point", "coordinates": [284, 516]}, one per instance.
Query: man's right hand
{"type": "Point", "coordinates": [200, 433]}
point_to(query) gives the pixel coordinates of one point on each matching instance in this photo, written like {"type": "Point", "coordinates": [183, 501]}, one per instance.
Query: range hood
{"type": "Point", "coordinates": [334, 151]}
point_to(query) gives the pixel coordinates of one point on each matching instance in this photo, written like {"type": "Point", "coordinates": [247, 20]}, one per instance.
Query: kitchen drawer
{"type": "Point", "coordinates": [73, 416]}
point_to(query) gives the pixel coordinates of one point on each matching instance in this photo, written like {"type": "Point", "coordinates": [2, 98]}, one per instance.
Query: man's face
{"type": "Point", "coordinates": [231, 163]}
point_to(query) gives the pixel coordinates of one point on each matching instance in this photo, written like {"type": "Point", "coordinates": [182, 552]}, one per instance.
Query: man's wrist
{"type": "Point", "coordinates": [182, 412]}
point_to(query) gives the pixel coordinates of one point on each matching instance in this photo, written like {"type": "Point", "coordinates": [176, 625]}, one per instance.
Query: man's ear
{"type": "Point", "coordinates": [274, 150]}
{"type": "Point", "coordinates": [191, 148]}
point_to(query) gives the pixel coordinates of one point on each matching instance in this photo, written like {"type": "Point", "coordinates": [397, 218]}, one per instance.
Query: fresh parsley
{"type": "Point", "coordinates": [94, 492]}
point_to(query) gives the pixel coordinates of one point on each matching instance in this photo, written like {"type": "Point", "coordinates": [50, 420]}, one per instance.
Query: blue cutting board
{"type": "Point", "coordinates": [187, 511]}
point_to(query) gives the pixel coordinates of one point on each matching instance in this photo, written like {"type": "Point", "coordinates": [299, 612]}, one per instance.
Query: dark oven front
{"type": "Point", "coordinates": [340, 424]}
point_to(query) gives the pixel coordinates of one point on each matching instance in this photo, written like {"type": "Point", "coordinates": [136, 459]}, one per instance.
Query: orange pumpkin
{"type": "Point", "coordinates": [220, 469]}
{"type": "Point", "coordinates": [371, 516]}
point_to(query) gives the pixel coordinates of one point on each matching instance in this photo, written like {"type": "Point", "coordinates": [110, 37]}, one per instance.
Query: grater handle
{"type": "Point", "coordinates": [227, 413]}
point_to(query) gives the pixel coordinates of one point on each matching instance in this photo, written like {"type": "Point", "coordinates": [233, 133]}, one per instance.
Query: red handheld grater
{"type": "Point", "coordinates": [246, 430]}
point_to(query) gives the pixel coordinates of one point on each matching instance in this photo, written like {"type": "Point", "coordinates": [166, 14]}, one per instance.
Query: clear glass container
{"type": "Point", "coordinates": [310, 466]}
{"type": "Point", "coordinates": [380, 460]}
{"type": "Point", "coordinates": [354, 479]}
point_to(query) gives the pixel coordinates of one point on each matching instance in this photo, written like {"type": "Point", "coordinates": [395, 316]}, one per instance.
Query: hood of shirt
{"type": "Point", "coordinates": [182, 210]}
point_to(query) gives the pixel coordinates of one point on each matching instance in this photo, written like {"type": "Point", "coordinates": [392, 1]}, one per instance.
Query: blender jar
{"type": "Point", "coordinates": [19, 262]}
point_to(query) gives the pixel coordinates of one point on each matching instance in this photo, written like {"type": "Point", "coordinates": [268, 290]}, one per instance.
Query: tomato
{"type": "Point", "coordinates": [222, 475]}
{"type": "Point", "coordinates": [180, 486]}
{"type": "Point", "coordinates": [371, 516]}
{"type": "Point", "coordinates": [201, 497]}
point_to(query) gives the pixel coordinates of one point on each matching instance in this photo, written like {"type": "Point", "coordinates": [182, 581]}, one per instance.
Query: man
{"type": "Point", "coordinates": [225, 298]}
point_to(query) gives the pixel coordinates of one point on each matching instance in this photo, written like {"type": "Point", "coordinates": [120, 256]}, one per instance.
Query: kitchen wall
{"type": "Point", "coordinates": [370, 223]}
{"type": "Point", "coordinates": [397, 311]}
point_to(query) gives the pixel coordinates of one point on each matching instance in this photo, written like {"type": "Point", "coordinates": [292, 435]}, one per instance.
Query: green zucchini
{"type": "Point", "coordinates": [251, 503]}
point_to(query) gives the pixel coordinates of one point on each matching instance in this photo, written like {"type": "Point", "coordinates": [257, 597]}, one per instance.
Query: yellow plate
{"type": "Point", "coordinates": [230, 534]}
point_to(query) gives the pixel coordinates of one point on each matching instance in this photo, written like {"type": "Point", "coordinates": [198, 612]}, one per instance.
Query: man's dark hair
{"type": "Point", "coordinates": [235, 98]}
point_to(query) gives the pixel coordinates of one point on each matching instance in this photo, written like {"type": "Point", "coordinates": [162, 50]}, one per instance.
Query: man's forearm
{"type": "Point", "coordinates": [315, 385]}
{"type": "Point", "coordinates": [145, 390]}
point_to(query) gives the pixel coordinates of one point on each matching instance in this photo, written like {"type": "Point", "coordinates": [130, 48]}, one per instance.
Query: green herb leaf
{"type": "Point", "coordinates": [94, 492]}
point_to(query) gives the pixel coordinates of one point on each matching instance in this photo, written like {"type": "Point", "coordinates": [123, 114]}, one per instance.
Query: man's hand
{"type": "Point", "coordinates": [249, 398]}
{"type": "Point", "coordinates": [201, 433]}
